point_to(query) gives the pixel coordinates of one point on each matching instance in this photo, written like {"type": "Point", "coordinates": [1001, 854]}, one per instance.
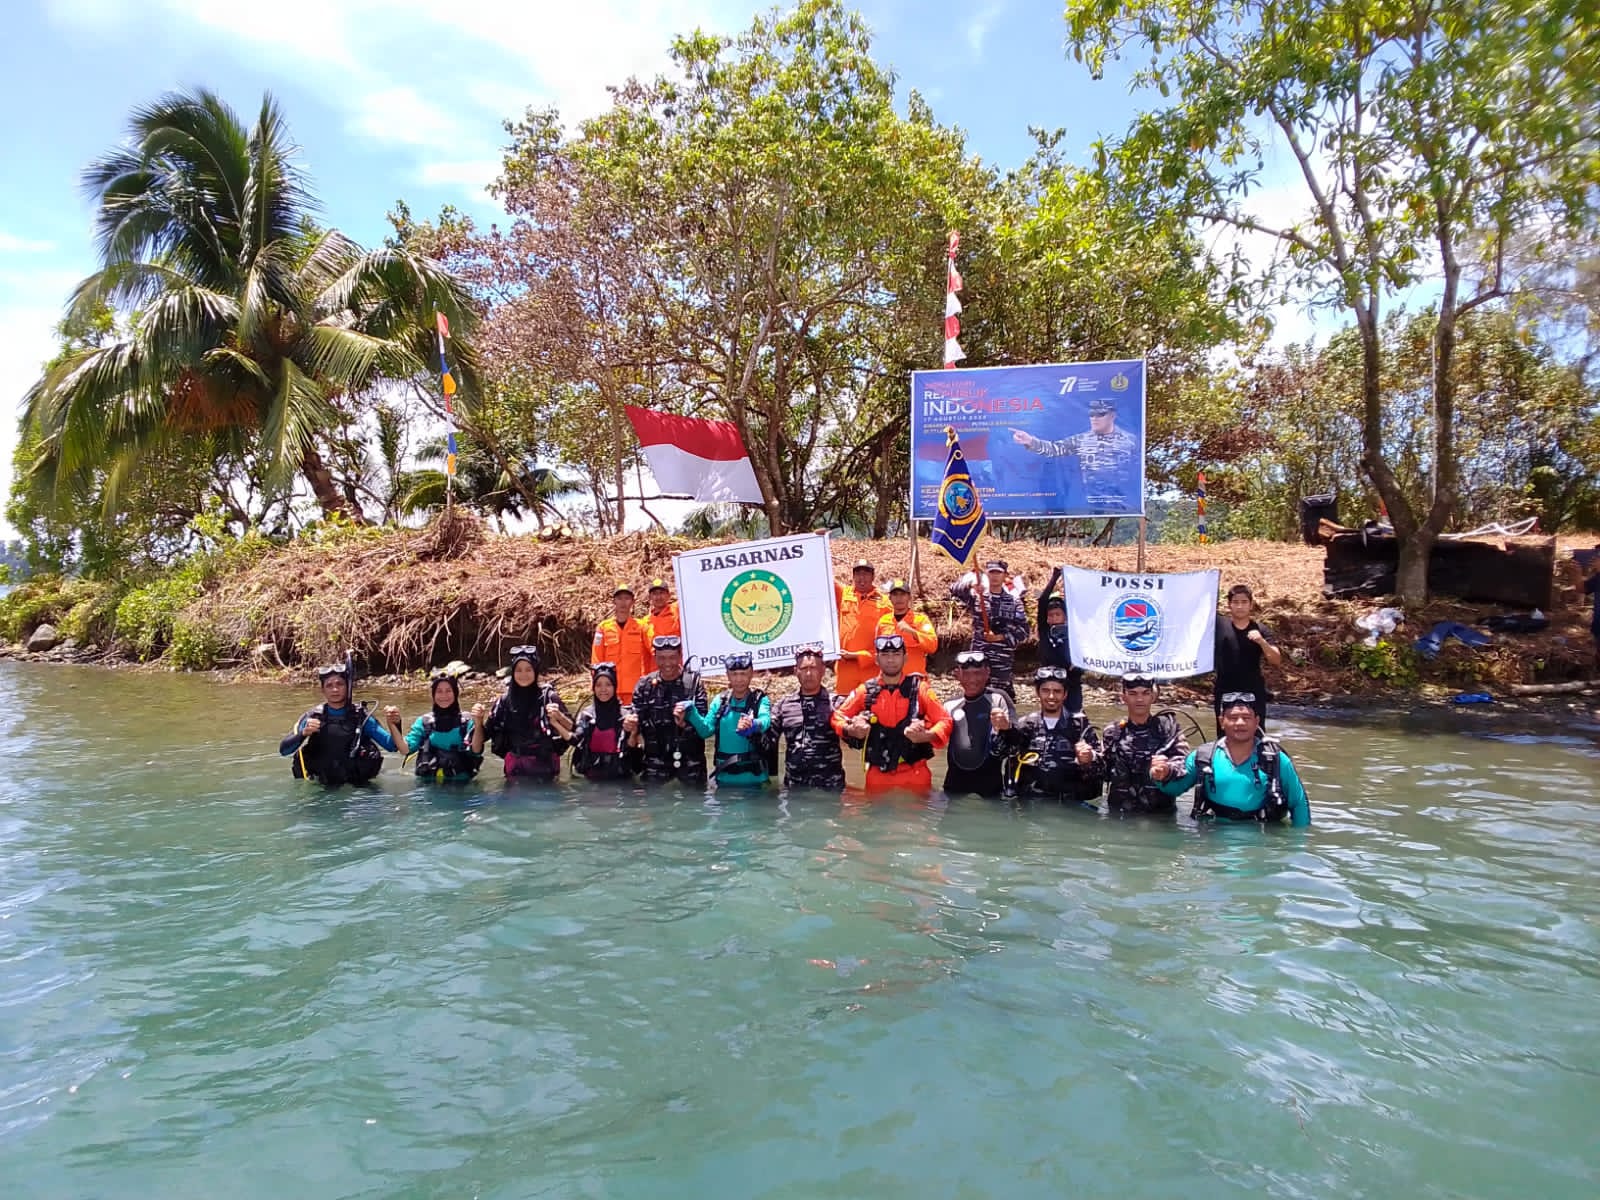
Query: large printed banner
{"type": "Point", "coordinates": [1163, 626]}
{"type": "Point", "coordinates": [1064, 440]}
{"type": "Point", "coordinates": [768, 598]}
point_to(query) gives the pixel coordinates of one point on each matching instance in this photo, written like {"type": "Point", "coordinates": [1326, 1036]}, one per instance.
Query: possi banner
{"type": "Point", "coordinates": [766, 598]}
{"type": "Point", "coordinates": [1162, 626]}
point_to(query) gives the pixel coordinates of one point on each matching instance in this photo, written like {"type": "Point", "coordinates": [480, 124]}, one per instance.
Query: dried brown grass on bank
{"type": "Point", "coordinates": [404, 600]}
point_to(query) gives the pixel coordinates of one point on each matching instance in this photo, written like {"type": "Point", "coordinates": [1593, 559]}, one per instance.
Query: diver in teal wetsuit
{"type": "Point", "coordinates": [448, 746]}
{"type": "Point", "coordinates": [738, 721]}
{"type": "Point", "coordinates": [1240, 777]}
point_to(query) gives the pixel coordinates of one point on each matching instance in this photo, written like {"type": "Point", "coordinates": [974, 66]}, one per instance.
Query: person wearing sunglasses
{"type": "Point", "coordinates": [1055, 754]}
{"type": "Point", "coordinates": [336, 742]}
{"type": "Point", "coordinates": [624, 640]}
{"type": "Point", "coordinates": [736, 725]}
{"type": "Point", "coordinates": [1241, 644]}
{"type": "Point", "coordinates": [657, 727]}
{"type": "Point", "coordinates": [529, 726]}
{"type": "Point", "coordinates": [898, 721]}
{"type": "Point", "coordinates": [812, 755]}
{"type": "Point", "coordinates": [1243, 776]}
{"type": "Point", "coordinates": [980, 719]}
{"type": "Point", "coordinates": [999, 622]}
{"type": "Point", "coordinates": [1134, 746]}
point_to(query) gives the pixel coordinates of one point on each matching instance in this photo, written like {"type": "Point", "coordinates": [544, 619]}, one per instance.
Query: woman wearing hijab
{"type": "Point", "coordinates": [529, 726]}
{"type": "Point", "coordinates": [600, 749]}
{"type": "Point", "coordinates": [448, 747]}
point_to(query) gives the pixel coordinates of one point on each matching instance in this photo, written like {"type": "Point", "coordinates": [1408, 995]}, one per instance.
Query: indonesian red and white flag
{"type": "Point", "coordinates": [690, 456]}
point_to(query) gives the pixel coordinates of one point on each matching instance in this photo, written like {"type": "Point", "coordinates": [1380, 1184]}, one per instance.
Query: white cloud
{"type": "Point", "coordinates": [978, 28]}
{"type": "Point", "coordinates": [401, 115]}
{"type": "Point", "coordinates": [472, 175]}
{"type": "Point", "coordinates": [10, 243]}
{"type": "Point", "coordinates": [29, 342]}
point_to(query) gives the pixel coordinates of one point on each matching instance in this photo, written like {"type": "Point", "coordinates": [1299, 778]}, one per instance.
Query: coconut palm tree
{"type": "Point", "coordinates": [483, 484]}
{"type": "Point", "coordinates": [249, 322]}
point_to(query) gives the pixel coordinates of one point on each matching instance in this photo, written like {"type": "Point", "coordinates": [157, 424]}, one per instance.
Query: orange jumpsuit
{"type": "Point", "coordinates": [921, 639]}
{"type": "Point", "coordinates": [889, 710]}
{"type": "Point", "coordinates": [665, 623]}
{"type": "Point", "coordinates": [627, 645]}
{"type": "Point", "coordinates": [858, 625]}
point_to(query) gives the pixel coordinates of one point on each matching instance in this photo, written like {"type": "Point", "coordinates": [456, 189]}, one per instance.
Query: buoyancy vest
{"type": "Point", "coordinates": [340, 752]}
{"type": "Point", "coordinates": [1047, 763]}
{"type": "Point", "coordinates": [454, 762]}
{"type": "Point", "coordinates": [514, 730]}
{"type": "Point", "coordinates": [1274, 807]}
{"type": "Point", "coordinates": [763, 752]}
{"type": "Point", "coordinates": [669, 750]}
{"type": "Point", "coordinates": [1128, 766]}
{"type": "Point", "coordinates": [814, 757]}
{"type": "Point", "coordinates": [970, 733]}
{"type": "Point", "coordinates": [599, 753]}
{"type": "Point", "coordinates": [887, 745]}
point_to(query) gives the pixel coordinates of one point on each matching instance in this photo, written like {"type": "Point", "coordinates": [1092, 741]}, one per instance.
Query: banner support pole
{"type": "Point", "coordinates": [1142, 522]}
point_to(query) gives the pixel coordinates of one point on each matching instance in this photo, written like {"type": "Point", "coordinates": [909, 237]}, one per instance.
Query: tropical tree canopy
{"type": "Point", "coordinates": [248, 323]}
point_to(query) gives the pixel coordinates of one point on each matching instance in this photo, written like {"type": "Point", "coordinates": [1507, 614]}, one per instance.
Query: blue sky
{"type": "Point", "coordinates": [404, 98]}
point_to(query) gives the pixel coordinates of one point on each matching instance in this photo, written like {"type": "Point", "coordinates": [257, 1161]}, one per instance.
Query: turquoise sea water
{"type": "Point", "coordinates": [214, 981]}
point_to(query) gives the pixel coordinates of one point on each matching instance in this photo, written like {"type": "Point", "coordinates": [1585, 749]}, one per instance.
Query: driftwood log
{"type": "Point", "coordinates": [1572, 687]}
{"type": "Point", "coordinates": [1515, 571]}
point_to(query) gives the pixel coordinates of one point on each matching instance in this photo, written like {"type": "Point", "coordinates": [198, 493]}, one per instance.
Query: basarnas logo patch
{"type": "Point", "coordinates": [757, 607]}
{"type": "Point", "coordinates": [1136, 624]}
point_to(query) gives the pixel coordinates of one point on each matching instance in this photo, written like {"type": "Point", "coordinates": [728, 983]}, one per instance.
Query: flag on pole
{"type": "Point", "coordinates": [953, 353]}
{"type": "Point", "coordinates": [1201, 499]}
{"type": "Point", "coordinates": [448, 382]}
{"type": "Point", "coordinates": [690, 456]}
{"type": "Point", "coordinates": [960, 521]}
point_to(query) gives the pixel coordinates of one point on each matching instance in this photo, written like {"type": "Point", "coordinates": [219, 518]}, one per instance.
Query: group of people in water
{"type": "Point", "coordinates": [656, 725]}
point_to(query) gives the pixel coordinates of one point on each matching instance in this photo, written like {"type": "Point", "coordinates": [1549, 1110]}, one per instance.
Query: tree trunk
{"type": "Point", "coordinates": [1411, 577]}
{"type": "Point", "coordinates": [326, 489]}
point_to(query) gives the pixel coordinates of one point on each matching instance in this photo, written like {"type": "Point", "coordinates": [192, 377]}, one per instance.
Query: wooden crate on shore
{"type": "Point", "coordinates": [1514, 571]}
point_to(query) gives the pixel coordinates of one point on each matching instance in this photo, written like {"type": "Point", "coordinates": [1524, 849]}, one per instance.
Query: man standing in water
{"type": "Point", "coordinates": [1241, 644]}
{"type": "Point", "coordinates": [979, 722]}
{"type": "Point", "coordinates": [812, 756]}
{"type": "Point", "coordinates": [1055, 750]}
{"type": "Point", "coordinates": [1240, 777]}
{"type": "Point", "coordinates": [899, 719]}
{"type": "Point", "coordinates": [657, 727]}
{"type": "Point", "coordinates": [1132, 747]}
{"type": "Point", "coordinates": [336, 742]}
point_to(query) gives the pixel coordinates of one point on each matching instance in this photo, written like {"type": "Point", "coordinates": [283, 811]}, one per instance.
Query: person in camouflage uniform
{"type": "Point", "coordinates": [1007, 625]}
{"type": "Point", "coordinates": [1106, 454]}
{"type": "Point", "coordinates": [812, 756]}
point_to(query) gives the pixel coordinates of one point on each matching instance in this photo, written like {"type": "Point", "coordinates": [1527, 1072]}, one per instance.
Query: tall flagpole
{"type": "Point", "coordinates": [448, 383]}
{"type": "Point", "coordinates": [953, 354]}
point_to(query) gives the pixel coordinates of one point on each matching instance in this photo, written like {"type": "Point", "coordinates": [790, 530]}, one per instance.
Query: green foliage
{"type": "Point", "coordinates": [1429, 139]}
{"type": "Point", "coordinates": [247, 338]}
{"type": "Point", "coordinates": [147, 615]}
{"type": "Point", "coordinates": [1391, 662]}
{"type": "Point", "coordinates": [41, 600]}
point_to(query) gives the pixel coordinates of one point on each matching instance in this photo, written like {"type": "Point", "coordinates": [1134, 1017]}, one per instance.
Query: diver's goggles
{"type": "Point", "coordinates": [667, 641]}
{"type": "Point", "coordinates": [972, 658]}
{"type": "Point", "coordinates": [1050, 675]}
{"type": "Point", "coordinates": [1229, 699]}
{"type": "Point", "coordinates": [738, 662]}
{"type": "Point", "coordinates": [890, 642]}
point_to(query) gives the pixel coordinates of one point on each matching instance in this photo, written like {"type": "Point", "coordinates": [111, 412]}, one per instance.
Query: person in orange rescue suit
{"type": "Point", "coordinates": [625, 640]}
{"type": "Point", "coordinates": [898, 719]}
{"type": "Point", "coordinates": [663, 614]}
{"type": "Point", "coordinates": [861, 607]}
{"type": "Point", "coordinates": [915, 627]}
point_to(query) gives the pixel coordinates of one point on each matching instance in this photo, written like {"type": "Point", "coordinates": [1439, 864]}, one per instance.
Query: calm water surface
{"type": "Point", "coordinates": [214, 981]}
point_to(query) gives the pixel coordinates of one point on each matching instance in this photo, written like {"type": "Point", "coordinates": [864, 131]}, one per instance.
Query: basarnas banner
{"type": "Point", "coordinates": [767, 598]}
{"type": "Point", "coordinates": [1163, 626]}
{"type": "Point", "coordinates": [1060, 440]}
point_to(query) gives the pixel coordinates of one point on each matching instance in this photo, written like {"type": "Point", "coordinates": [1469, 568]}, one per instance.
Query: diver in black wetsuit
{"type": "Point", "coordinates": [979, 722]}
